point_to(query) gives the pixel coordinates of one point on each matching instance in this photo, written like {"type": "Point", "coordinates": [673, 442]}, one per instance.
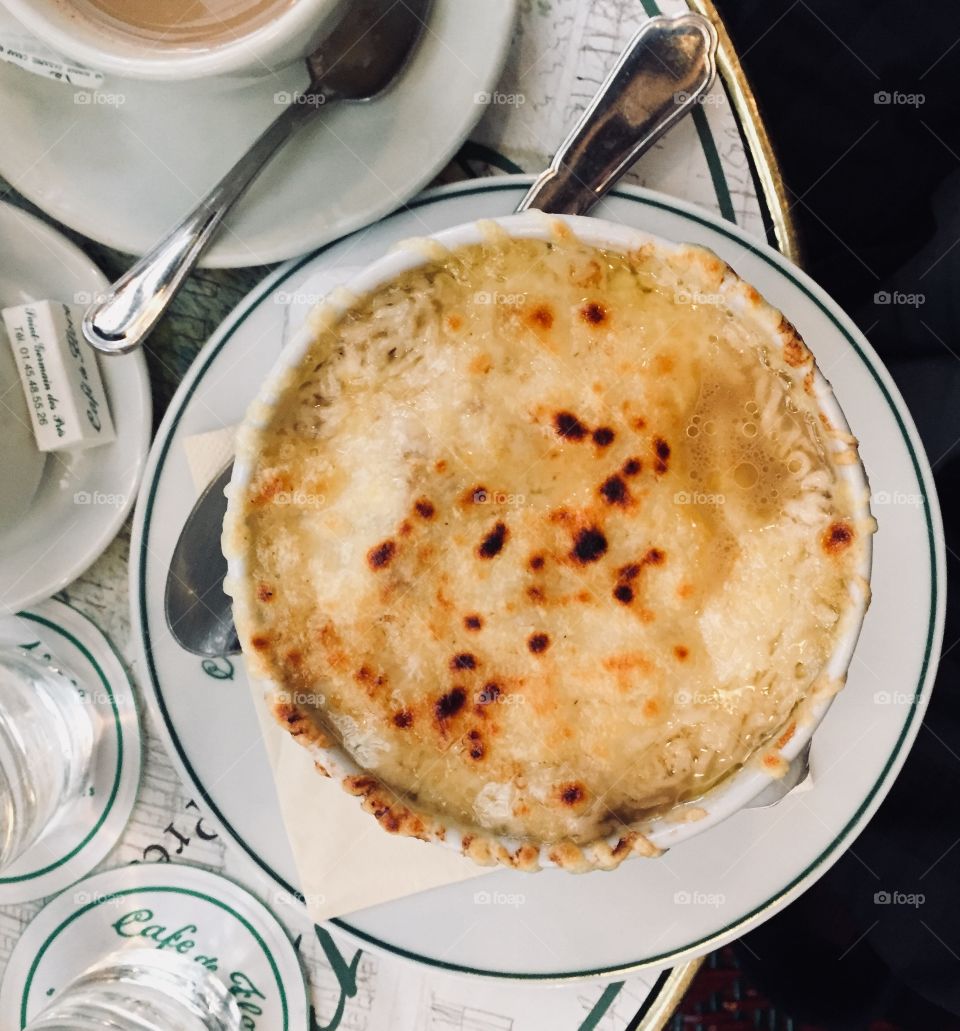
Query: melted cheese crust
{"type": "Point", "coordinates": [548, 538]}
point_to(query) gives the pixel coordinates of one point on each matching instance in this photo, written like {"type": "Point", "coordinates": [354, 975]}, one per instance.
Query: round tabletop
{"type": "Point", "coordinates": [721, 159]}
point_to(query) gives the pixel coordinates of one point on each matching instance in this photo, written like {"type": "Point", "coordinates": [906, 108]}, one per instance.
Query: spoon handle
{"type": "Point", "coordinates": [119, 321]}
{"type": "Point", "coordinates": [664, 71]}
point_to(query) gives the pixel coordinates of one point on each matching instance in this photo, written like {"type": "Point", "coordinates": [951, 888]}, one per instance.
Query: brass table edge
{"type": "Point", "coordinates": [680, 979]}
{"type": "Point", "coordinates": [755, 133]}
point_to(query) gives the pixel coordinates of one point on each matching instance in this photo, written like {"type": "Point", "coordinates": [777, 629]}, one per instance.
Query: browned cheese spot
{"type": "Point", "coordinates": [664, 364]}
{"type": "Point", "coordinates": [473, 622]}
{"type": "Point", "coordinates": [569, 426]}
{"type": "Point", "coordinates": [540, 317]}
{"type": "Point", "coordinates": [632, 466]}
{"type": "Point", "coordinates": [654, 557]}
{"type": "Point", "coordinates": [492, 544]}
{"type": "Point", "coordinates": [593, 313]}
{"type": "Point", "coordinates": [476, 745]}
{"type": "Point", "coordinates": [288, 713]}
{"type": "Point", "coordinates": [785, 737]}
{"type": "Point", "coordinates": [264, 592]}
{"type": "Point", "coordinates": [463, 661]}
{"type": "Point", "coordinates": [381, 555]}
{"type": "Point", "coordinates": [425, 508]}
{"type": "Point", "coordinates": [261, 642]}
{"type": "Point", "coordinates": [614, 491]}
{"type": "Point", "coordinates": [837, 538]}
{"type": "Point", "coordinates": [681, 652]}
{"type": "Point", "coordinates": [365, 675]}
{"type": "Point", "coordinates": [538, 643]}
{"type": "Point", "coordinates": [651, 708]}
{"type": "Point", "coordinates": [661, 453]}
{"type": "Point", "coordinates": [572, 794]}
{"type": "Point", "coordinates": [491, 692]}
{"type": "Point", "coordinates": [403, 718]}
{"type": "Point", "coordinates": [623, 593]}
{"type": "Point", "coordinates": [268, 491]}
{"type": "Point", "coordinates": [795, 352]}
{"type": "Point", "coordinates": [537, 562]}
{"type": "Point", "coordinates": [603, 436]}
{"type": "Point", "coordinates": [450, 704]}
{"type": "Point", "coordinates": [589, 545]}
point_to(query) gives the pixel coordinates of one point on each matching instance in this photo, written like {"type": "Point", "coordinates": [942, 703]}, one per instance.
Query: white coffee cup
{"type": "Point", "coordinates": [291, 34]}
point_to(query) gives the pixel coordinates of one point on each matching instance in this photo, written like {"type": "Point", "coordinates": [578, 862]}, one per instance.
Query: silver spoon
{"type": "Point", "coordinates": [358, 61]}
{"type": "Point", "coordinates": [665, 69]}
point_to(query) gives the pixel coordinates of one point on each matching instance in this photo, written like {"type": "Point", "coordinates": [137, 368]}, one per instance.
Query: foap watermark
{"type": "Point", "coordinates": [493, 297]}
{"type": "Point", "coordinates": [493, 695]}
{"type": "Point", "coordinates": [704, 99]}
{"type": "Point", "coordinates": [88, 297]}
{"type": "Point", "coordinates": [698, 497]}
{"type": "Point", "coordinates": [296, 297]}
{"type": "Point", "coordinates": [896, 98]}
{"type": "Point", "coordinates": [285, 97]}
{"type": "Point", "coordinates": [698, 297]}
{"type": "Point", "coordinates": [895, 698]}
{"type": "Point", "coordinates": [499, 99]}
{"type": "Point", "coordinates": [896, 497]}
{"type": "Point", "coordinates": [99, 98]}
{"type": "Point", "coordinates": [299, 498]}
{"type": "Point", "coordinates": [482, 496]}
{"type": "Point", "coordinates": [311, 698]}
{"type": "Point", "coordinates": [499, 898]}
{"type": "Point", "coordinates": [97, 698]}
{"type": "Point", "coordinates": [699, 898]}
{"type": "Point", "coordinates": [282, 898]}
{"type": "Point", "coordinates": [99, 497]}
{"type": "Point", "coordinates": [899, 297]}
{"type": "Point", "coordinates": [684, 697]}
{"type": "Point", "coordinates": [98, 898]}
{"type": "Point", "coordinates": [899, 898]}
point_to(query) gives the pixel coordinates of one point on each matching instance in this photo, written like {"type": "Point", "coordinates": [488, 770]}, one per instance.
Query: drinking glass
{"type": "Point", "coordinates": [142, 990]}
{"type": "Point", "coordinates": [47, 739]}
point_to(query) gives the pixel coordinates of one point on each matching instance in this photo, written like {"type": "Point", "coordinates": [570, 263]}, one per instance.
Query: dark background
{"type": "Point", "coordinates": [874, 189]}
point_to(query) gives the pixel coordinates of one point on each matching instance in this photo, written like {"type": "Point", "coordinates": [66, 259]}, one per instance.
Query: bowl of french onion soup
{"type": "Point", "coordinates": [549, 540]}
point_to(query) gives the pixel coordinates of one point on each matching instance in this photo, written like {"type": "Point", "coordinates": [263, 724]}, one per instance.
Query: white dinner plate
{"type": "Point", "coordinates": [123, 163]}
{"type": "Point", "coordinates": [84, 496]}
{"type": "Point", "coordinates": [647, 912]}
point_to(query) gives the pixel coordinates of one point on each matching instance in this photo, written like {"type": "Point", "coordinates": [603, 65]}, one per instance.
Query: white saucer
{"type": "Point", "coordinates": [90, 827]}
{"type": "Point", "coordinates": [647, 913]}
{"type": "Point", "coordinates": [84, 496]}
{"type": "Point", "coordinates": [123, 164]}
{"type": "Point", "coordinates": [221, 922]}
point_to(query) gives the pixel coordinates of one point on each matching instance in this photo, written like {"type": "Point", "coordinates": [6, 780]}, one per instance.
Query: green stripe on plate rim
{"type": "Point", "coordinates": [169, 428]}
{"type": "Point", "coordinates": [80, 646]}
{"type": "Point", "coordinates": [171, 889]}
{"type": "Point", "coordinates": [707, 143]}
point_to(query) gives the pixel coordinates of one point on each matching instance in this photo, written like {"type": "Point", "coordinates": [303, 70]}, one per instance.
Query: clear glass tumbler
{"type": "Point", "coordinates": [47, 739]}
{"type": "Point", "coordinates": [142, 990]}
